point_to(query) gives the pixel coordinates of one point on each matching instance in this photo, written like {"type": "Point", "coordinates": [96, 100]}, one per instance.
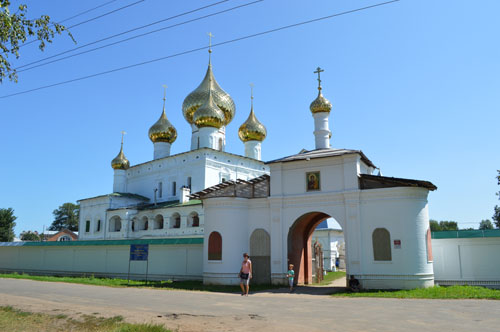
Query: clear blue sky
{"type": "Point", "coordinates": [414, 84]}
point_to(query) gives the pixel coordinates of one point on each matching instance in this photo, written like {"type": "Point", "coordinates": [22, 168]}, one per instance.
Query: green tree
{"type": "Point", "coordinates": [448, 225]}
{"type": "Point", "coordinates": [7, 224]}
{"type": "Point", "coordinates": [66, 216]}
{"type": "Point", "coordinates": [486, 224]}
{"type": "Point", "coordinates": [496, 214]}
{"type": "Point", "coordinates": [15, 28]}
{"type": "Point", "coordinates": [434, 225]}
{"type": "Point", "coordinates": [30, 236]}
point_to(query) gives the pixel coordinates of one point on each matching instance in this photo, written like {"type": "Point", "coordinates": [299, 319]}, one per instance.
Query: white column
{"type": "Point", "coordinates": [120, 181]}
{"type": "Point", "coordinates": [321, 130]}
{"type": "Point", "coordinates": [161, 150]}
{"type": "Point", "coordinates": [208, 138]}
{"type": "Point", "coordinates": [194, 137]}
{"type": "Point", "coordinates": [253, 149]}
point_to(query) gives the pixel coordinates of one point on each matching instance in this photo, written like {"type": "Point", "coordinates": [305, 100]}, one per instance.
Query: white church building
{"type": "Point", "coordinates": [238, 203]}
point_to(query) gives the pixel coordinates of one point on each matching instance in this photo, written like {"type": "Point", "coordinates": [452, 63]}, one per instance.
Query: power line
{"type": "Point", "coordinates": [90, 19]}
{"type": "Point", "coordinates": [86, 11]}
{"type": "Point", "coordinates": [201, 48]}
{"type": "Point", "coordinates": [128, 31]}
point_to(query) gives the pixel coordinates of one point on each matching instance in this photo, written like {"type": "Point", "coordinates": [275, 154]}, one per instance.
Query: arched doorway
{"type": "Point", "coordinates": [260, 254]}
{"type": "Point", "coordinates": [300, 245]}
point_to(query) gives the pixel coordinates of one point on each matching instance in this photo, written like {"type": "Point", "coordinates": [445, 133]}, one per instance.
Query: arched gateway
{"type": "Point", "coordinates": [385, 220]}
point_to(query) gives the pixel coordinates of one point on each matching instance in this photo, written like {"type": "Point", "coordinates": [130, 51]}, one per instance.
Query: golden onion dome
{"type": "Point", "coordinates": [252, 129]}
{"type": "Point", "coordinates": [208, 114]}
{"type": "Point", "coordinates": [163, 130]}
{"type": "Point", "coordinates": [199, 96]}
{"type": "Point", "coordinates": [120, 161]}
{"type": "Point", "coordinates": [320, 104]}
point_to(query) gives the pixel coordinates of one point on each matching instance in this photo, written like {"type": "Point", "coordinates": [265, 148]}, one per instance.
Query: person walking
{"type": "Point", "coordinates": [245, 274]}
{"type": "Point", "coordinates": [290, 274]}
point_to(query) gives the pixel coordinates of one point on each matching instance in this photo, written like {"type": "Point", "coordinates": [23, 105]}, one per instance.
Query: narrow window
{"type": "Point", "coordinates": [381, 239]}
{"type": "Point", "coordinates": [215, 247]}
{"type": "Point", "coordinates": [198, 142]}
{"type": "Point", "coordinates": [99, 225]}
{"type": "Point", "coordinates": [196, 221]}
{"type": "Point", "coordinates": [189, 182]}
{"type": "Point", "coordinates": [160, 189]}
{"type": "Point", "coordinates": [87, 226]}
{"type": "Point", "coordinates": [174, 188]}
{"type": "Point", "coordinates": [220, 144]}
{"type": "Point", "coordinates": [177, 222]}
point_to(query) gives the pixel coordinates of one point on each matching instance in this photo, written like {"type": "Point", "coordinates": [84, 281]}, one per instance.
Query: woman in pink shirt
{"type": "Point", "coordinates": [245, 274]}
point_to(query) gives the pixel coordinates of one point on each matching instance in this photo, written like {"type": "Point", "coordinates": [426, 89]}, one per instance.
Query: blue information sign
{"type": "Point", "coordinates": [139, 252]}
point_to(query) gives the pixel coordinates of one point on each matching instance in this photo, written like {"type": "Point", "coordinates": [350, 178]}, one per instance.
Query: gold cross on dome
{"type": "Point", "coordinates": [251, 90]}
{"type": "Point", "coordinates": [164, 92]}
{"type": "Point", "coordinates": [319, 71]}
{"type": "Point", "coordinates": [210, 36]}
{"type": "Point", "coordinates": [123, 134]}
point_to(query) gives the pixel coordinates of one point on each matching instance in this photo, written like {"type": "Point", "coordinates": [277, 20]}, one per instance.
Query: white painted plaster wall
{"type": "Point", "coordinates": [473, 261]}
{"type": "Point", "coordinates": [176, 262]}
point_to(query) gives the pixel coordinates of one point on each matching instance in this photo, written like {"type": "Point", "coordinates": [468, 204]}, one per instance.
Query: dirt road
{"type": "Point", "coordinates": [204, 311]}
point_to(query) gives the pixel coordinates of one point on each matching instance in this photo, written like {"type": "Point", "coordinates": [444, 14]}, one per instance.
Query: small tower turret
{"type": "Point", "coordinates": [162, 133]}
{"type": "Point", "coordinates": [120, 164]}
{"type": "Point", "coordinates": [320, 109]}
{"type": "Point", "coordinates": [252, 133]}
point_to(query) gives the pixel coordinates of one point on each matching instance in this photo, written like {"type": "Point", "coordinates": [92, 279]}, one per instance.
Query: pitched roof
{"type": "Point", "coordinates": [322, 153]}
{"type": "Point", "coordinates": [124, 195]}
{"type": "Point", "coordinates": [375, 181]}
{"type": "Point", "coordinates": [254, 188]}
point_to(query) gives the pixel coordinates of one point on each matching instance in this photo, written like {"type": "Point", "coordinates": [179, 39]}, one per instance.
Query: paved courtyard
{"type": "Point", "coordinates": [204, 311]}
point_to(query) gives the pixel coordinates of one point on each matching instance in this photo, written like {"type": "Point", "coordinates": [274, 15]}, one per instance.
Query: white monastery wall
{"type": "Point", "coordinates": [404, 213]}
{"type": "Point", "coordinates": [472, 261]}
{"type": "Point", "coordinates": [176, 262]}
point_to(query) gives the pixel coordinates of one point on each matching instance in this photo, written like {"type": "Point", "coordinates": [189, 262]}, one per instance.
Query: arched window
{"type": "Point", "coordinates": [220, 144]}
{"type": "Point", "coordinates": [98, 226]}
{"type": "Point", "coordinates": [215, 247]}
{"type": "Point", "coordinates": [143, 225]}
{"type": "Point", "coordinates": [158, 222]}
{"type": "Point", "coordinates": [87, 226]}
{"type": "Point", "coordinates": [133, 226]}
{"type": "Point", "coordinates": [429, 245]}
{"type": "Point", "coordinates": [193, 220]}
{"type": "Point", "coordinates": [381, 239]}
{"type": "Point", "coordinates": [175, 221]}
{"type": "Point", "coordinates": [115, 224]}
{"type": "Point", "coordinates": [65, 238]}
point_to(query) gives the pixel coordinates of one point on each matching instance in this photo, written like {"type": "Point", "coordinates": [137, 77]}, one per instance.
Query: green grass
{"type": "Point", "coordinates": [436, 292]}
{"type": "Point", "coordinates": [331, 276]}
{"type": "Point", "coordinates": [167, 285]}
{"type": "Point", "coordinates": [14, 320]}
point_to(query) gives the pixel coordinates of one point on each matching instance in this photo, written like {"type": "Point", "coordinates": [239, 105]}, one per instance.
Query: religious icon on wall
{"type": "Point", "coordinates": [312, 180]}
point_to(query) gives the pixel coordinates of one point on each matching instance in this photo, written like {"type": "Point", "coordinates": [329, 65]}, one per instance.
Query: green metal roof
{"type": "Point", "coordinates": [184, 240]}
{"type": "Point", "coordinates": [464, 234]}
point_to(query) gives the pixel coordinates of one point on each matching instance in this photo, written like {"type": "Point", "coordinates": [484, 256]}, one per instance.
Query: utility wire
{"type": "Point", "coordinates": [201, 48]}
{"type": "Point", "coordinates": [128, 31]}
{"type": "Point", "coordinates": [91, 19]}
{"type": "Point", "coordinates": [86, 11]}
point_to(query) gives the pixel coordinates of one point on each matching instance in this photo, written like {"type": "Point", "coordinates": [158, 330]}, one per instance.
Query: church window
{"type": "Point", "coordinates": [158, 222]}
{"type": "Point", "coordinates": [194, 220]}
{"type": "Point", "coordinates": [429, 245]}
{"type": "Point", "coordinates": [381, 240]}
{"type": "Point", "coordinates": [174, 188]}
{"type": "Point", "coordinates": [189, 182]}
{"type": "Point", "coordinates": [220, 144]}
{"type": "Point", "coordinates": [215, 247]}
{"type": "Point", "coordinates": [87, 226]}
{"type": "Point", "coordinates": [198, 146]}
{"type": "Point", "coordinates": [98, 228]}
{"type": "Point", "coordinates": [160, 189]}
{"type": "Point", "coordinates": [175, 221]}
{"type": "Point", "coordinates": [115, 224]}
{"type": "Point", "coordinates": [143, 226]}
